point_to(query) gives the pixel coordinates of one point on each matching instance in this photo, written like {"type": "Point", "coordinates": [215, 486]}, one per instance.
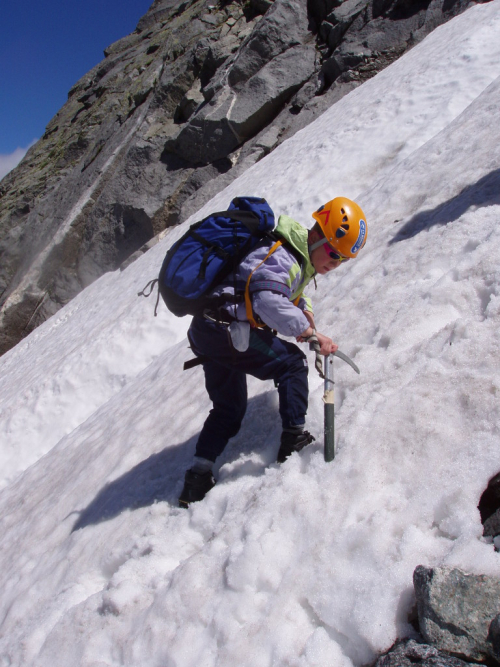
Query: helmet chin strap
{"type": "Point", "coordinates": [317, 244]}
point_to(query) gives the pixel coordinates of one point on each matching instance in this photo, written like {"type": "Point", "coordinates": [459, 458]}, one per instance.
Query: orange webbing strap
{"type": "Point", "coordinates": [248, 301]}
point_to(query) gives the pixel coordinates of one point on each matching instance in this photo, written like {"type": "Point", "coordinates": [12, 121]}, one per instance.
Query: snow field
{"type": "Point", "coordinates": [304, 564]}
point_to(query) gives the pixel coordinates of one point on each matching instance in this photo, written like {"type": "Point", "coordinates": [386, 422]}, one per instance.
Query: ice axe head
{"type": "Point", "coordinates": [345, 358]}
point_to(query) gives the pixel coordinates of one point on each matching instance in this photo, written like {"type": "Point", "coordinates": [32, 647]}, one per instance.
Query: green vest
{"type": "Point", "coordinates": [296, 235]}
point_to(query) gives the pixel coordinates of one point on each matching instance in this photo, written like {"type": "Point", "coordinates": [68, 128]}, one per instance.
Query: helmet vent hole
{"type": "Point", "coordinates": [345, 218]}
{"type": "Point", "coordinates": [342, 210]}
{"type": "Point", "coordinates": [340, 232]}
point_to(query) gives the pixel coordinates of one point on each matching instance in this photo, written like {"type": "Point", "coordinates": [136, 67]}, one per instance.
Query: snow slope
{"type": "Point", "coordinates": [306, 564]}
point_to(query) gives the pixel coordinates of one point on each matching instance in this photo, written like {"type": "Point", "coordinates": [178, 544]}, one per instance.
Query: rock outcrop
{"type": "Point", "coordinates": [459, 612]}
{"type": "Point", "coordinates": [175, 111]}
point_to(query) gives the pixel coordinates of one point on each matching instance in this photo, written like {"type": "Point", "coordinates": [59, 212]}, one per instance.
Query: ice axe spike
{"type": "Point", "coordinates": [328, 399]}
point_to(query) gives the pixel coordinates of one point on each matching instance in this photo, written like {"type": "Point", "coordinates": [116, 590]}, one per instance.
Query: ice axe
{"type": "Point", "coordinates": [328, 397]}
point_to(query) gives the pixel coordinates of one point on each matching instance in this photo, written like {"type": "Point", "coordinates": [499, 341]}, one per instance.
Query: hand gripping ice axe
{"type": "Point", "coordinates": [328, 396]}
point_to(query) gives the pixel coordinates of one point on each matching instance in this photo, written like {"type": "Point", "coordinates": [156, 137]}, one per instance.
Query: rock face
{"type": "Point", "coordinates": [458, 612]}
{"type": "Point", "coordinates": [175, 111]}
{"type": "Point", "coordinates": [271, 65]}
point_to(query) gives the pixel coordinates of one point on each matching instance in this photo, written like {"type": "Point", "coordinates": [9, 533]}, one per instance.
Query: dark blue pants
{"type": "Point", "coordinates": [267, 358]}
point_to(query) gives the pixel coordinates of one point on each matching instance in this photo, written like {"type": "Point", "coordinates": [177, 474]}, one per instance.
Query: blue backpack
{"type": "Point", "coordinates": [209, 251]}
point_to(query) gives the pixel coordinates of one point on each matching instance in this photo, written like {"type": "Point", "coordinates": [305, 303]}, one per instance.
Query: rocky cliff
{"type": "Point", "coordinates": [197, 94]}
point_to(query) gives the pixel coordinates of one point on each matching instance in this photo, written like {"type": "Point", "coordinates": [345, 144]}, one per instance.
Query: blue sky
{"type": "Point", "coordinates": [45, 47]}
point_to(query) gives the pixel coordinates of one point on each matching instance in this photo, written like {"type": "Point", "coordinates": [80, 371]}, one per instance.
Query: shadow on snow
{"type": "Point", "coordinates": [486, 192]}
{"type": "Point", "coordinates": [159, 478]}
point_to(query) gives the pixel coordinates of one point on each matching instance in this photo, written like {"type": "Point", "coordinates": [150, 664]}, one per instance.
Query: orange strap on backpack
{"type": "Point", "coordinates": [248, 301]}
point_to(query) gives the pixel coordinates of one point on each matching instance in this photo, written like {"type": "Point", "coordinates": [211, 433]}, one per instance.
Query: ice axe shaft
{"type": "Point", "coordinates": [329, 407]}
{"type": "Point", "coordinates": [329, 402]}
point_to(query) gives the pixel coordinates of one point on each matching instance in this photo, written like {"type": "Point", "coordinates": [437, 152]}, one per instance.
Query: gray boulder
{"type": "Point", "coordinates": [489, 507]}
{"type": "Point", "coordinates": [409, 653]}
{"type": "Point", "coordinates": [492, 525]}
{"type": "Point", "coordinates": [458, 612]}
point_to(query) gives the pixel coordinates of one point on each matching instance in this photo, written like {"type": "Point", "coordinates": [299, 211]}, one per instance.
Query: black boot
{"type": "Point", "coordinates": [196, 486]}
{"type": "Point", "coordinates": [293, 442]}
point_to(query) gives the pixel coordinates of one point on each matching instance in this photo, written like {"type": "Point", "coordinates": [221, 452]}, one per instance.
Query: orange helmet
{"type": "Point", "coordinates": [344, 225]}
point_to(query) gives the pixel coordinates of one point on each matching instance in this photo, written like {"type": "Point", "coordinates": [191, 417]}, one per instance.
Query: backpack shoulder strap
{"type": "Point", "coordinates": [248, 301]}
{"type": "Point", "coordinates": [286, 244]}
{"type": "Point", "coordinates": [278, 241]}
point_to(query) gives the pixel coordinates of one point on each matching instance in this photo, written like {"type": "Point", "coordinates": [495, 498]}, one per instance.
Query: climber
{"type": "Point", "coordinates": [244, 344]}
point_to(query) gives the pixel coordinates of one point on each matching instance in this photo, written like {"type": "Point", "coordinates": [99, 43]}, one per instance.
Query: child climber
{"type": "Point", "coordinates": [246, 341]}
